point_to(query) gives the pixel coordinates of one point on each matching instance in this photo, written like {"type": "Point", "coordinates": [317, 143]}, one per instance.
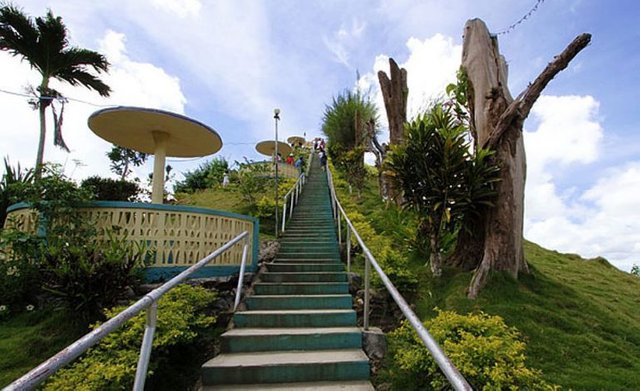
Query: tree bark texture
{"type": "Point", "coordinates": [394, 93]}
{"type": "Point", "coordinates": [496, 120]}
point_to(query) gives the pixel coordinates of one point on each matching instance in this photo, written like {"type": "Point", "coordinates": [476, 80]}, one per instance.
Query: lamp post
{"type": "Point", "coordinates": [276, 117]}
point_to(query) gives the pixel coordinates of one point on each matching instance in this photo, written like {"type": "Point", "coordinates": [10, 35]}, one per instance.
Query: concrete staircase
{"type": "Point", "coordinates": [298, 331]}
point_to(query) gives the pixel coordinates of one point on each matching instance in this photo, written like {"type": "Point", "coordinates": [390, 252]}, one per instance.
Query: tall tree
{"type": "Point", "coordinates": [496, 120]}
{"type": "Point", "coordinates": [43, 42]}
{"type": "Point", "coordinates": [122, 160]}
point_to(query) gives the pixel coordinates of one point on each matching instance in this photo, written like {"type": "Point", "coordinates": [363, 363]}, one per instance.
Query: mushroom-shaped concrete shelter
{"type": "Point", "coordinates": [296, 140]}
{"type": "Point", "coordinates": [157, 132]}
{"type": "Point", "coordinates": [269, 148]}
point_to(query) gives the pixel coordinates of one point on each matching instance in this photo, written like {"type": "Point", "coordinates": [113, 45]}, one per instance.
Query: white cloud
{"type": "Point", "coordinates": [431, 65]}
{"type": "Point", "coordinates": [133, 83]}
{"type": "Point", "coordinates": [182, 8]}
{"type": "Point", "coordinates": [604, 219]}
{"type": "Point", "coordinates": [344, 40]}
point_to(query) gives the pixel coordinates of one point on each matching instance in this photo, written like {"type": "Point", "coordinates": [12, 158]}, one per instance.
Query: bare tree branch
{"type": "Point", "coordinates": [520, 108]}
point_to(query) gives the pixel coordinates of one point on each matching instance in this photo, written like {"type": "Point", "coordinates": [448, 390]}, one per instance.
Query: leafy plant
{"type": "Point", "coordinates": [13, 180]}
{"type": "Point", "coordinates": [182, 319]}
{"type": "Point", "coordinates": [206, 176]}
{"type": "Point", "coordinates": [69, 262]}
{"type": "Point", "coordinates": [123, 158]}
{"type": "Point", "coordinates": [107, 189]}
{"type": "Point", "coordinates": [441, 180]}
{"type": "Point", "coordinates": [488, 353]}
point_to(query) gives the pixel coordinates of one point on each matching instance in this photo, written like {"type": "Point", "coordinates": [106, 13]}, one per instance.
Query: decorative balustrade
{"type": "Point", "coordinates": [173, 237]}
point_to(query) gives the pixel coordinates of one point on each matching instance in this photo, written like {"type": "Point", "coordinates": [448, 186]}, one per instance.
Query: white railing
{"type": "Point", "coordinates": [149, 301]}
{"type": "Point", "coordinates": [450, 371]}
{"type": "Point", "coordinates": [291, 198]}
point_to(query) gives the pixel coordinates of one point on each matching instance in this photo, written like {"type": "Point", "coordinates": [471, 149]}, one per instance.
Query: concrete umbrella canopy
{"type": "Point", "coordinates": [296, 140]}
{"type": "Point", "coordinates": [157, 132]}
{"type": "Point", "coordinates": [269, 148]}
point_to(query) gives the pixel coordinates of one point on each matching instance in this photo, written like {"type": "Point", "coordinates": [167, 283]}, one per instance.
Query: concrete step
{"type": "Point", "coordinates": [295, 318]}
{"type": "Point", "coordinates": [290, 302]}
{"type": "Point", "coordinates": [335, 260]}
{"type": "Point", "coordinates": [303, 277]}
{"type": "Point", "coordinates": [282, 367]}
{"type": "Point", "coordinates": [304, 267]}
{"type": "Point", "coordinates": [301, 288]}
{"type": "Point", "coordinates": [354, 385]}
{"type": "Point", "coordinates": [309, 255]}
{"type": "Point", "coordinates": [281, 339]}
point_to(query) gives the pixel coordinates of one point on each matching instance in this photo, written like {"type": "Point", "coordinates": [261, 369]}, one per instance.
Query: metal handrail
{"type": "Point", "coordinates": [450, 371]}
{"type": "Point", "coordinates": [294, 193]}
{"type": "Point", "coordinates": [68, 354]}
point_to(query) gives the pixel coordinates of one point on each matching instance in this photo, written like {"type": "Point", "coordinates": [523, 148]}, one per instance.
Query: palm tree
{"type": "Point", "coordinates": [43, 42]}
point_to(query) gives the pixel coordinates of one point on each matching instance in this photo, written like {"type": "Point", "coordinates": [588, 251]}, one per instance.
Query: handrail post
{"type": "Point", "coordinates": [284, 212]}
{"type": "Point", "coordinates": [291, 208]}
{"type": "Point", "coordinates": [145, 348]}
{"type": "Point", "coordinates": [339, 231]}
{"type": "Point", "coordinates": [367, 282]}
{"type": "Point", "coordinates": [348, 249]}
{"type": "Point", "coordinates": [241, 276]}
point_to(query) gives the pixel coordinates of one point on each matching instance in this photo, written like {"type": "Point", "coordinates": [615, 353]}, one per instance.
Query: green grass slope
{"type": "Point", "coordinates": [580, 318]}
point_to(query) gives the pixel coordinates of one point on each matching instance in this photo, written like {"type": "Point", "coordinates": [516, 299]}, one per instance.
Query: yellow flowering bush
{"type": "Point", "coordinates": [488, 353]}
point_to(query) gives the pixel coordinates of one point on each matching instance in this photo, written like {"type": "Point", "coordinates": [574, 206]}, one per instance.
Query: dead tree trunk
{"type": "Point", "coordinates": [394, 93]}
{"type": "Point", "coordinates": [497, 120]}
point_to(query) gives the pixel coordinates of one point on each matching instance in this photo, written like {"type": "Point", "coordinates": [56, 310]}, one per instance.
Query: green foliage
{"type": "Point", "coordinates": [488, 353]}
{"type": "Point", "coordinates": [63, 258]}
{"type": "Point", "coordinates": [251, 179]}
{"type": "Point", "coordinates": [107, 189]}
{"type": "Point", "coordinates": [112, 363]}
{"type": "Point", "coordinates": [123, 158]}
{"type": "Point", "coordinates": [13, 180]}
{"type": "Point", "coordinates": [441, 179]}
{"type": "Point", "coordinates": [345, 125]}
{"type": "Point", "coordinates": [207, 175]}
{"type": "Point", "coordinates": [635, 270]}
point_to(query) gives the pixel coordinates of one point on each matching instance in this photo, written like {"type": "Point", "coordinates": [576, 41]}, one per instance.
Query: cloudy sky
{"type": "Point", "coordinates": [229, 63]}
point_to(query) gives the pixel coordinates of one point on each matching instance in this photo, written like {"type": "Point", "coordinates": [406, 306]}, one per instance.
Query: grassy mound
{"type": "Point", "coordinates": [580, 318]}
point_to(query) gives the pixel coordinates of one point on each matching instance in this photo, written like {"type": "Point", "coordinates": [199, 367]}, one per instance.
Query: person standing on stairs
{"type": "Point", "coordinates": [323, 159]}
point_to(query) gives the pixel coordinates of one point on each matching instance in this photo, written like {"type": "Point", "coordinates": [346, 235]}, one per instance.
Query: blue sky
{"type": "Point", "coordinates": [229, 63]}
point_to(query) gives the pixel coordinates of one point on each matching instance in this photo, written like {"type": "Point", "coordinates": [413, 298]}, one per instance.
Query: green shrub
{"type": "Point", "coordinates": [13, 180]}
{"type": "Point", "coordinates": [488, 353]}
{"type": "Point", "coordinates": [206, 176]}
{"type": "Point", "coordinates": [63, 259]}
{"type": "Point", "coordinates": [111, 365]}
{"type": "Point", "coordinates": [107, 189]}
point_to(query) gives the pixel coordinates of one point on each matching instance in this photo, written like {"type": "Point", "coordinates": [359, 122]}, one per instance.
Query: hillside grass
{"type": "Point", "coordinates": [579, 318]}
{"type": "Point", "coordinates": [29, 338]}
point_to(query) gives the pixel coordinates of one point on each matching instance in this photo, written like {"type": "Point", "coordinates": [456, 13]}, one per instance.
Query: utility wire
{"type": "Point", "coordinates": [52, 98]}
{"type": "Point", "coordinates": [525, 17]}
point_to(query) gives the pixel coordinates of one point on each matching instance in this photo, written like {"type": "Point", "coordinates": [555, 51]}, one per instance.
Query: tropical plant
{"type": "Point", "coordinates": [441, 180]}
{"type": "Point", "coordinates": [44, 43]}
{"type": "Point", "coordinates": [123, 158]}
{"type": "Point", "coordinates": [183, 319]}
{"type": "Point", "coordinates": [207, 175]}
{"type": "Point", "coordinates": [346, 124]}
{"type": "Point", "coordinates": [107, 189]}
{"type": "Point", "coordinates": [12, 180]}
